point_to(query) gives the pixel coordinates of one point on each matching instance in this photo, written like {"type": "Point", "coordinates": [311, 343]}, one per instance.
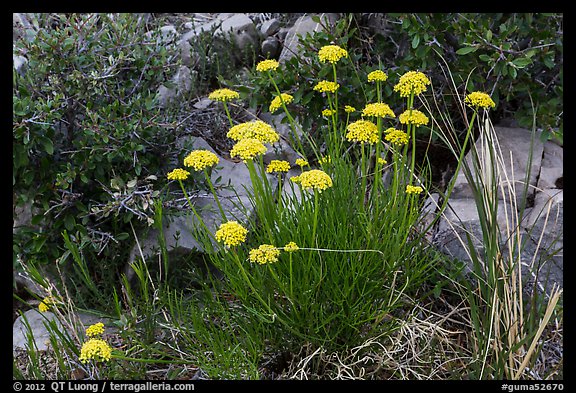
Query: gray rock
{"type": "Point", "coordinates": [515, 145]}
{"type": "Point", "coordinates": [269, 27]}
{"type": "Point", "coordinates": [270, 47]}
{"type": "Point", "coordinates": [19, 63]}
{"type": "Point", "coordinates": [552, 168]}
{"type": "Point", "coordinates": [38, 331]}
{"type": "Point", "coordinates": [302, 26]}
{"type": "Point", "coordinates": [233, 187]}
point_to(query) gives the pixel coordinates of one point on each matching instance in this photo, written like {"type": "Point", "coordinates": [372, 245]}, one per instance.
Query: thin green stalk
{"type": "Point", "coordinates": [209, 181]}
{"type": "Point", "coordinates": [200, 220]}
{"type": "Point", "coordinates": [228, 114]}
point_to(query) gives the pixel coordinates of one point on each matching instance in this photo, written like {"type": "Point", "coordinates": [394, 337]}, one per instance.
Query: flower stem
{"type": "Point", "coordinates": [209, 181]}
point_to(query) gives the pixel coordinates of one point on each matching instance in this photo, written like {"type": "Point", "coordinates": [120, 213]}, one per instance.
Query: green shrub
{"type": "Point", "coordinates": [87, 132]}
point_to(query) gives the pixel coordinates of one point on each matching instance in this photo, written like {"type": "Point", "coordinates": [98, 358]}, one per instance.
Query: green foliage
{"type": "Point", "coordinates": [87, 130]}
{"type": "Point", "coordinates": [517, 58]}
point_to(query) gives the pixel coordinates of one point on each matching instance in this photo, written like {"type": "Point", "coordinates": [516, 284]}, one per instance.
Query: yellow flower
{"type": "Point", "coordinates": [231, 233]}
{"type": "Point", "coordinates": [413, 189]}
{"type": "Point", "coordinates": [278, 166]}
{"type": "Point", "coordinates": [277, 103]}
{"type": "Point", "coordinates": [178, 174]}
{"type": "Point", "coordinates": [46, 303]}
{"type": "Point", "coordinates": [396, 137]}
{"type": "Point", "coordinates": [223, 95]}
{"type": "Point", "coordinates": [326, 87]}
{"type": "Point", "coordinates": [362, 131]}
{"type": "Point", "coordinates": [413, 117]}
{"type": "Point", "coordinates": [291, 247]}
{"type": "Point", "coordinates": [328, 112]}
{"type": "Point", "coordinates": [301, 162]}
{"type": "Point", "coordinates": [412, 82]}
{"type": "Point", "coordinates": [315, 179]}
{"type": "Point", "coordinates": [264, 254]}
{"type": "Point", "coordinates": [382, 161]}
{"type": "Point", "coordinates": [295, 179]}
{"type": "Point", "coordinates": [325, 160]}
{"type": "Point", "coordinates": [378, 109]}
{"type": "Point", "coordinates": [247, 149]}
{"type": "Point", "coordinates": [349, 109]}
{"type": "Point", "coordinates": [331, 53]}
{"type": "Point", "coordinates": [267, 65]}
{"type": "Point", "coordinates": [96, 349]}
{"type": "Point", "coordinates": [95, 330]}
{"type": "Point", "coordinates": [479, 100]}
{"type": "Point", "coordinates": [377, 75]}
{"type": "Point", "coordinates": [256, 129]}
{"type": "Point", "coordinates": [201, 159]}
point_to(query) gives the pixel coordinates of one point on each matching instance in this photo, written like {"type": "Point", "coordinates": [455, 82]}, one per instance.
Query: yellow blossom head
{"type": "Point", "coordinates": [396, 137]}
{"type": "Point", "coordinates": [325, 160]}
{"type": "Point", "coordinates": [277, 101]}
{"type": "Point", "coordinates": [256, 129]}
{"type": "Point", "coordinates": [291, 247]}
{"type": "Point", "coordinates": [349, 109]}
{"type": "Point", "coordinates": [479, 100]}
{"type": "Point", "coordinates": [326, 86]}
{"type": "Point", "coordinates": [267, 65]}
{"type": "Point", "coordinates": [247, 149]}
{"type": "Point", "coordinates": [315, 179]}
{"type": "Point", "coordinates": [362, 131]}
{"type": "Point", "coordinates": [278, 166]}
{"type": "Point", "coordinates": [201, 159]}
{"type": "Point", "coordinates": [413, 116]}
{"type": "Point", "coordinates": [377, 76]}
{"type": "Point", "coordinates": [382, 161]}
{"type": "Point", "coordinates": [301, 162]}
{"type": "Point", "coordinates": [266, 253]}
{"type": "Point", "coordinates": [412, 82]}
{"type": "Point", "coordinates": [95, 330]}
{"type": "Point", "coordinates": [95, 349]}
{"type": "Point", "coordinates": [46, 303]}
{"type": "Point", "coordinates": [178, 174]}
{"type": "Point", "coordinates": [223, 95]}
{"type": "Point", "coordinates": [413, 189]}
{"type": "Point", "coordinates": [328, 112]}
{"type": "Point", "coordinates": [231, 233]}
{"type": "Point", "coordinates": [378, 109]}
{"type": "Point", "coordinates": [331, 53]}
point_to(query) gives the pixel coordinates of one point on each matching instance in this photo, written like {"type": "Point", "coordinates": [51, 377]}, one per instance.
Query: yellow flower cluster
{"type": "Point", "coordinates": [201, 159]}
{"type": "Point", "coordinates": [396, 137]}
{"type": "Point", "coordinates": [326, 87]}
{"type": "Point", "coordinates": [46, 303]}
{"type": "Point", "coordinates": [96, 349]}
{"type": "Point", "coordinates": [382, 161]}
{"type": "Point", "coordinates": [291, 247]}
{"type": "Point", "coordinates": [267, 65]}
{"type": "Point", "coordinates": [479, 100]}
{"type": "Point", "coordinates": [377, 75]}
{"type": "Point", "coordinates": [231, 233]}
{"type": "Point", "coordinates": [328, 112]}
{"type": "Point", "coordinates": [362, 131]}
{"type": "Point", "coordinates": [277, 102]}
{"type": "Point", "coordinates": [378, 109]}
{"type": "Point", "coordinates": [349, 109]}
{"type": "Point", "coordinates": [247, 149]}
{"type": "Point", "coordinates": [95, 330]}
{"type": "Point", "coordinates": [278, 166]}
{"type": "Point", "coordinates": [325, 160]}
{"type": "Point", "coordinates": [266, 253]}
{"type": "Point", "coordinates": [314, 179]}
{"type": "Point", "coordinates": [223, 95]}
{"type": "Point", "coordinates": [413, 117]}
{"type": "Point", "coordinates": [413, 189]}
{"type": "Point", "coordinates": [256, 129]}
{"type": "Point", "coordinates": [178, 174]}
{"type": "Point", "coordinates": [331, 53]}
{"type": "Point", "coordinates": [412, 82]}
{"type": "Point", "coordinates": [301, 162]}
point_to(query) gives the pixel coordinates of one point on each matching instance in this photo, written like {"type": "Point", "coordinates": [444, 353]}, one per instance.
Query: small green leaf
{"type": "Point", "coordinates": [522, 62]}
{"type": "Point", "coordinates": [465, 50]}
{"type": "Point", "coordinates": [485, 57]}
{"type": "Point", "coordinates": [415, 41]}
{"type": "Point", "coordinates": [48, 146]}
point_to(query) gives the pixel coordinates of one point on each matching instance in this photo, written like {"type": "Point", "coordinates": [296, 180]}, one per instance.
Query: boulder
{"type": "Point", "coordinates": [303, 25]}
